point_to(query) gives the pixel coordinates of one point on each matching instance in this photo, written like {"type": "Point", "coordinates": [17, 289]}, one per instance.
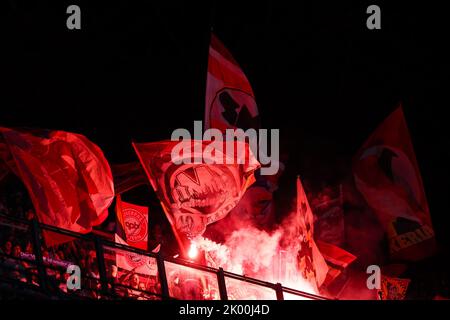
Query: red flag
{"type": "Point", "coordinates": [200, 193]}
{"type": "Point", "coordinates": [311, 263]}
{"type": "Point", "coordinates": [230, 102]}
{"type": "Point", "coordinates": [387, 174]}
{"type": "Point", "coordinates": [337, 259]}
{"type": "Point", "coordinates": [132, 223]}
{"type": "Point", "coordinates": [67, 177]}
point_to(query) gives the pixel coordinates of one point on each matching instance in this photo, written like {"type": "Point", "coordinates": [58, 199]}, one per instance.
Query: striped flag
{"type": "Point", "coordinates": [230, 102]}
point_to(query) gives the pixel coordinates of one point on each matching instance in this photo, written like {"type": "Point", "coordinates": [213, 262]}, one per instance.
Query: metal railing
{"type": "Point", "coordinates": [223, 278]}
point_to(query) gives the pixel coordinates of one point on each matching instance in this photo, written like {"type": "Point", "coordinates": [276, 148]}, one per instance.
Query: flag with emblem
{"type": "Point", "coordinates": [67, 177]}
{"type": "Point", "coordinates": [132, 223]}
{"type": "Point", "coordinates": [311, 263]}
{"type": "Point", "coordinates": [393, 288]}
{"type": "Point", "coordinates": [230, 102]}
{"type": "Point", "coordinates": [129, 261]}
{"type": "Point", "coordinates": [387, 175]}
{"type": "Point", "coordinates": [196, 182]}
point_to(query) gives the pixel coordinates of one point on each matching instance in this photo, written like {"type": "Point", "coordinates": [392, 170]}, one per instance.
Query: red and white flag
{"type": "Point", "coordinates": [230, 102]}
{"type": "Point", "coordinates": [199, 193]}
{"type": "Point", "coordinates": [311, 263]}
{"type": "Point", "coordinates": [67, 177]}
{"type": "Point", "coordinates": [387, 175]}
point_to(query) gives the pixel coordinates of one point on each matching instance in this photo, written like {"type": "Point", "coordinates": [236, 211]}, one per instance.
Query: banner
{"type": "Point", "coordinates": [48, 261]}
{"type": "Point", "coordinates": [387, 175]}
{"type": "Point", "coordinates": [67, 177]}
{"type": "Point", "coordinates": [137, 263]}
{"type": "Point", "coordinates": [132, 223]}
{"type": "Point", "coordinates": [230, 102]}
{"type": "Point", "coordinates": [201, 192]}
{"type": "Point", "coordinates": [393, 288]}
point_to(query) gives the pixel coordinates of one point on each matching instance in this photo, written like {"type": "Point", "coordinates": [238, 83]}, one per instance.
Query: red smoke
{"type": "Point", "coordinates": [268, 256]}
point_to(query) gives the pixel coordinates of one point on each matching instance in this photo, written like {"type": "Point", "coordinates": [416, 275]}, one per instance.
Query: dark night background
{"type": "Point", "coordinates": [136, 71]}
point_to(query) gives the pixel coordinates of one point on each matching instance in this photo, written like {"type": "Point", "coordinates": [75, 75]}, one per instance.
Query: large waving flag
{"type": "Point", "coordinates": [67, 177]}
{"type": "Point", "coordinates": [200, 193]}
{"type": "Point", "coordinates": [311, 263]}
{"type": "Point", "coordinates": [230, 102]}
{"type": "Point", "coordinates": [387, 174]}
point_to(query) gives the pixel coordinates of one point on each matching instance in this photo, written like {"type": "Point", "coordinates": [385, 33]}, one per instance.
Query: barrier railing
{"type": "Point", "coordinates": [225, 285]}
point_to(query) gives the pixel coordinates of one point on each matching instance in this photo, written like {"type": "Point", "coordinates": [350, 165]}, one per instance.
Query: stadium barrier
{"type": "Point", "coordinates": [229, 286]}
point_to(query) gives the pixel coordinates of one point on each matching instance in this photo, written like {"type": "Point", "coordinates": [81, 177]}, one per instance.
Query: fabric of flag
{"type": "Point", "coordinates": [128, 176]}
{"type": "Point", "coordinates": [203, 191]}
{"type": "Point", "coordinates": [230, 102]}
{"type": "Point", "coordinates": [132, 223]}
{"type": "Point", "coordinates": [138, 263]}
{"type": "Point", "coordinates": [67, 177]}
{"type": "Point", "coordinates": [311, 263]}
{"type": "Point", "coordinates": [337, 260]}
{"type": "Point", "coordinates": [387, 175]}
{"type": "Point", "coordinates": [393, 288]}
{"type": "Point", "coordinates": [335, 255]}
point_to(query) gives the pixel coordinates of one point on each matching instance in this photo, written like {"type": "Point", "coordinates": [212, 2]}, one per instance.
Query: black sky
{"type": "Point", "coordinates": [137, 70]}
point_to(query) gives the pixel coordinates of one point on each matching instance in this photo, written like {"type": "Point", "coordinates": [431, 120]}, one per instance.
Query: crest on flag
{"type": "Point", "coordinates": [136, 226]}
{"type": "Point", "coordinates": [199, 193]}
{"type": "Point", "coordinates": [128, 261]}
